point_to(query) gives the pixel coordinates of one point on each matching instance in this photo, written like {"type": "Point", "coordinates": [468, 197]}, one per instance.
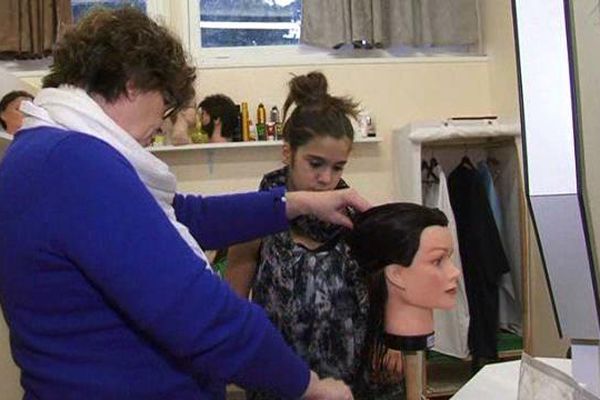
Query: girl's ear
{"type": "Point", "coordinates": [286, 154]}
{"type": "Point", "coordinates": [394, 275]}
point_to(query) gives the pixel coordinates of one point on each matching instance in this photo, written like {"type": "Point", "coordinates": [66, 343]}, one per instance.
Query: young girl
{"type": "Point", "coordinates": [305, 279]}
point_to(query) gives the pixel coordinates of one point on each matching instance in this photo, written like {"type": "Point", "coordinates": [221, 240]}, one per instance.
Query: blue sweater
{"type": "Point", "coordinates": [103, 298]}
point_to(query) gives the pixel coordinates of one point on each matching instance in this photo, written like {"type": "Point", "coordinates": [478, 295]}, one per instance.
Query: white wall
{"type": "Point", "coordinates": [395, 93]}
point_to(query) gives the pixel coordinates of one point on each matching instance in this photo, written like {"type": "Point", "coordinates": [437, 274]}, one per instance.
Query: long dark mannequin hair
{"type": "Point", "coordinates": [384, 235]}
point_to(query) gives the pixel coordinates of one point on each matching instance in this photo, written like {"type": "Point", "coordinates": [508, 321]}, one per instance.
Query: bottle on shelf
{"type": "Point", "coordinates": [237, 131]}
{"type": "Point", "coordinates": [252, 135]}
{"type": "Point", "coordinates": [261, 122]}
{"type": "Point", "coordinates": [275, 119]}
{"type": "Point", "coordinates": [270, 131]}
{"type": "Point", "coordinates": [366, 125]}
{"type": "Point", "coordinates": [245, 122]}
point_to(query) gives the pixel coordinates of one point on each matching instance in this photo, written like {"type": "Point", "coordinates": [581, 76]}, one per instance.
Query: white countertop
{"type": "Point", "coordinates": [501, 381]}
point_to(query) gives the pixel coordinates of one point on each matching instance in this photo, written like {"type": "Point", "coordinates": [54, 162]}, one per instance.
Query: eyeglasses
{"type": "Point", "coordinates": [168, 112]}
{"type": "Point", "coordinates": [171, 105]}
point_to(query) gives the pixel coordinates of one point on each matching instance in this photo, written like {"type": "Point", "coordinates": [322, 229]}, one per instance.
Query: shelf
{"type": "Point", "coordinates": [235, 145]}
{"type": "Point", "coordinates": [5, 137]}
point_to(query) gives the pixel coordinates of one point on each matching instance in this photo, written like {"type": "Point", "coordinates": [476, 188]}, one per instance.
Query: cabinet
{"type": "Point", "coordinates": [448, 142]}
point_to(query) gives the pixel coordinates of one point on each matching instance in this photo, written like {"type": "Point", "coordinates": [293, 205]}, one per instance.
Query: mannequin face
{"type": "Point", "coordinates": [208, 123]}
{"type": "Point", "coordinates": [189, 115]}
{"type": "Point", "coordinates": [431, 281]}
{"type": "Point", "coordinates": [12, 116]}
{"type": "Point", "coordinates": [317, 165]}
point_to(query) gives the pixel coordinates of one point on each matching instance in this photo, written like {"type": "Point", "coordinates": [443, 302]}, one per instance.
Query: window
{"type": "Point", "coordinates": [240, 33]}
{"type": "Point", "coordinates": [243, 23]}
{"type": "Point", "coordinates": [81, 7]}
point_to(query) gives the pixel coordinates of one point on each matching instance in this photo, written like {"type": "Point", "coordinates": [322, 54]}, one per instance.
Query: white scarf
{"type": "Point", "coordinates": [71, 108]}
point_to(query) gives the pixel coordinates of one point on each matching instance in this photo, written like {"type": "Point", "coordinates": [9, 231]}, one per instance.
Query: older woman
{"type": "Point", "coordinates": [103, 278]}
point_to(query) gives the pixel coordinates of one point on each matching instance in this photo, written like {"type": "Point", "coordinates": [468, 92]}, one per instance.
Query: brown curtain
{"type": "Point", "coordinates": [30, 28]}
{"type": "Point", "coordinates": [384, 23]}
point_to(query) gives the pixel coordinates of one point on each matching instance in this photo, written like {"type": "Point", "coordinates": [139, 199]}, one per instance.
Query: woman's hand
{"type": "Point", "coordinates": [326, 389]}
{"type": "Point", "coordinates": [329, 206]}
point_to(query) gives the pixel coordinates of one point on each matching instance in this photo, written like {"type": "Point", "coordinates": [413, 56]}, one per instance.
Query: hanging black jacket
{"type": "Point", "coordinates": [483, 258]}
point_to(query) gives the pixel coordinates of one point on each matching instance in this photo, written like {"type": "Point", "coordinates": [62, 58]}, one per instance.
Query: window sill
{"type": "Point", "coordinates": [275, 56]}
{"type": "Point", "coordinates": [244, 59]}
{"type": "Point", "coordinates": [27, 68]}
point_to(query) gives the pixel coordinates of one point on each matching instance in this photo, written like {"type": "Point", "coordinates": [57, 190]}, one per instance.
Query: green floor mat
{"type": "Point", "coordinates": [506, 341]}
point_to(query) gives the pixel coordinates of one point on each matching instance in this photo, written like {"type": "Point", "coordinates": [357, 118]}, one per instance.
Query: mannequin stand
{"type": "Point", "coordinates": [413, 374]}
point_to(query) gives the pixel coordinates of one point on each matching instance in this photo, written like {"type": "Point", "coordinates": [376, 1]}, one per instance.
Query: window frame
{"type": "Point", "coordinates": [267, 56]}
{"type": "Point", "coordinates": [183, 19]}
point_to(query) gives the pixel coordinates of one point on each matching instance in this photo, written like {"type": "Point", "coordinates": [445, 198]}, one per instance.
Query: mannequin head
{"type": "Point", "coordinates": [11, 117]}
{"type": "Point", "coordinates": [218, 116]}
{"type": "Point", "coordinates": [404, 250]}
{"type": "Point", "coordinates": [183, 125]}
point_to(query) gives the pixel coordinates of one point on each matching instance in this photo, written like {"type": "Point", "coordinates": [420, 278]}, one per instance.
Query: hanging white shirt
{"type": "Point", "coordinates": [451, 326]}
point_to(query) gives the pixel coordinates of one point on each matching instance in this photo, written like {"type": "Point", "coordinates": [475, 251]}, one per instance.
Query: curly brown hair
{"type": "Point", "coordinates": [317, 113]}
{"type": "Point", "coordinates": [108, 48]}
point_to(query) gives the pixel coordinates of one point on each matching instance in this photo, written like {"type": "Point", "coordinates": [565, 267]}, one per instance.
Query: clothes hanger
{"type": "Point", "coordinates": [430, 173]}
{"type": "Point", "coordinates": [493, 166]}
{"type": "Point", "coordinates": [424, 165]}
{"type": "Point", "coordinates": [428, 167]}
{"type": "Point", "coordinates": [466, 161]}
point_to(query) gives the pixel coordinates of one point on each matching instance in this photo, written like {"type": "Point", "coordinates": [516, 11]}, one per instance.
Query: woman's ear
{"type": "Point", "coordinates": [131, 90]}
{"type": "Point", "coordinates": [286, 154]}
{"type": "Point", "coordinates": [394, 275]}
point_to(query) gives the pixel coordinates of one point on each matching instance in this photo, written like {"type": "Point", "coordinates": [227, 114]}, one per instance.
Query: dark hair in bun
{"type": "Point", "coordinates": [317, 113]}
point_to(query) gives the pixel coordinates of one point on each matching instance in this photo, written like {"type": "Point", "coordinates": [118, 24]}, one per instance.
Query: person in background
{"type": "Point", "coordinates": [11, 118]}
{"type": "Point", "coordinates": [103, 279]}
{"type": "Point", "coordinates": [305, 278]}
{"type": "Point", "coordinates": [218, 117]}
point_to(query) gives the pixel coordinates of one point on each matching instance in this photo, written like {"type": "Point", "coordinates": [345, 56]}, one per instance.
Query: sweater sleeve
{"type": "Point", "coordinates": [106, 222]}
{"type": "Point", "coordinates": [220, 221]}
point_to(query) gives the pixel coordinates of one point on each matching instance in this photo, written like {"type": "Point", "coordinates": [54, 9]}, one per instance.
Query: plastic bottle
{"type": "Point", "coordinates": [275, 119]}
{"type": "Point", "coordinates": [245, 122]}
{"type": "Point", "coordinates": [270, 131]}
{"type": "Point", "coordinates": [252, 131]}
{"type": "Point", "coordinates": [237, 132]}
{"type": "Point", "coordinates": [261, 122]}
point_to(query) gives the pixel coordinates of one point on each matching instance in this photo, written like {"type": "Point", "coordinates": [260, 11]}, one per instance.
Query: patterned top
{"type": "Point", "coordinates": [317, 298]}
